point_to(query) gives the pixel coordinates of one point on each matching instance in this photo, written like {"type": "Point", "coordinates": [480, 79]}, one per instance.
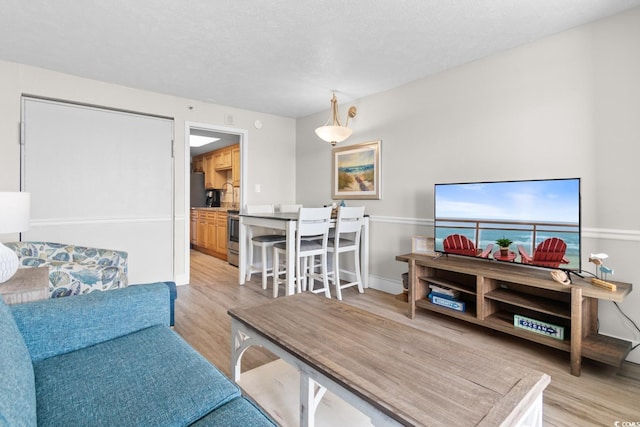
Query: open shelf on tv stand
{"type": "Point", "coordinates": [494, 292]}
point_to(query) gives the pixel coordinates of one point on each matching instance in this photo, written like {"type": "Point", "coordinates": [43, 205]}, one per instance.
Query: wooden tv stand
{"type": "Point", "coordinates": [494, 292]}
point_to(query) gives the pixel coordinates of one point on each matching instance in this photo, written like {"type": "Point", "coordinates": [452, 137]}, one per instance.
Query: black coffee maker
{"type": "Point", "coordinates": [214, 198]}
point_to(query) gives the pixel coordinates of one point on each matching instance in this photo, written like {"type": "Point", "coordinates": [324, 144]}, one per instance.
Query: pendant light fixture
{"type": "Point", "coordinates": [333, 131]}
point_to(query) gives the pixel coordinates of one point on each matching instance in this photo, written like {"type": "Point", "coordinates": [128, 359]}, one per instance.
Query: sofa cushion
{"type": "Point", "coordinates": [75, 270]}
{"type": "Point", "coordinates": [62, 325]}
{"type": "Point", "coordinates": [150, 377]}
{"type": "Point", "coordinates": [239, 412]}
{"type": "Point", "coordinates": [17, 387]}
{"type": "Point", "coordinates": [68, 278]}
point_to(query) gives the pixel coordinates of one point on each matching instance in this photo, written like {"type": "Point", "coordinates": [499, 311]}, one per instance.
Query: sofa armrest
{"type": "Point", "coordinates": [57, 326]}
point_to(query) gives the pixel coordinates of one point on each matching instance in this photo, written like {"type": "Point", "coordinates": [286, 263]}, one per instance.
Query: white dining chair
{"type": "Point", "coordinates": [346, 239]}
{"type": "Point", "coordinates": [263, 243]}
{"type": "Point", "coordinates": [289, 208]}
{"type": "Point", "coordinates": [311, 222]}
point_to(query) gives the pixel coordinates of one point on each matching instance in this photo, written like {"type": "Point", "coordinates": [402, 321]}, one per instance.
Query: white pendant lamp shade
{"type": "Point", "coordinates": [14, 218]}
{"type": "Point", "coordinates": [333, 134]}
{"type": "Point", "coordinates": [333, 131]}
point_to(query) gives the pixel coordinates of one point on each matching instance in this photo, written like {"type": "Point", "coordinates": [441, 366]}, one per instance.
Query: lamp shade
{"type": "Point", "coordinates": [14, 211]}
{"type": "Point", "coordinates": [14, 218]}
{"type": "Point", "coordinates": [333, 134]}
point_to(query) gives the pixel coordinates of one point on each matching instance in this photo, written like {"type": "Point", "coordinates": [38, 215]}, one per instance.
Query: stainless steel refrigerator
{"type": "Point", "coordinates": [198, 193]}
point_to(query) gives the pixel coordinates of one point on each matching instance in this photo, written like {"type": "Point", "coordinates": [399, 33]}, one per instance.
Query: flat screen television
{"type": "Point", "coordinates": [541, 218]}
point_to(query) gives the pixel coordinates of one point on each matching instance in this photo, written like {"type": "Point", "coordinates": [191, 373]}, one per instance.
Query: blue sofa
{"type": "Point", "coordinates": [110, 359]}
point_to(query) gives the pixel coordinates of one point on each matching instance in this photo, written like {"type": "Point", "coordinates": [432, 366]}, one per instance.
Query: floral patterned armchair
{"type": "Point", "coordinates": [74, 270]}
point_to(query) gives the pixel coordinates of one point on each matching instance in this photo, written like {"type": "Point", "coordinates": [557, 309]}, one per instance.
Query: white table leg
{"type": "Point", "coordinates": [364, 253]}
{"type": "Point", "coordinates": [240, 341]}
{"type": "Point", "coordinates": [533, 416]}
{"type": "Point", "coordinates": [311, 393]}
{"type": "Point", "coordinates": [242, 249]}
{"type": "Point", "coordinates": [291, 257]}
{"type": "Point", "coordinates": [236, 355]}
{"type": "Point", "coordinates": [307, 411]}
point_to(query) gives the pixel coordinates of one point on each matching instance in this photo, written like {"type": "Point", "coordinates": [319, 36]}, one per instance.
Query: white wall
{"type": "Point", "coordinates": [565, 106]}
{"type": "Point", "coordinates": [271, 148]}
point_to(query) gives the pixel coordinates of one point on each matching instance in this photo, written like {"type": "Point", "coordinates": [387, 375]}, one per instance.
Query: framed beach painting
{"type": "Point", "coordinates": [356, 172]}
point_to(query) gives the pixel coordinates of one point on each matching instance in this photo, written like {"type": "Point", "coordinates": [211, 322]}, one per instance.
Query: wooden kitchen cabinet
{"type": "Point", "coordinates": [221, 233]}
{"type": "Point", "coordinates": [222, 159]}
{"type": "Point", "coordinates": [219, 179]}
{"type": "Point", "coordinates": [219, 167]}
{"type": "Point", "coordinates": [210, 229]}
{"type": "Point", "coordinates": [197, 164]}
{"type": "Point", "coordinates": [201, 230]}
{"type": "Point", "coordinates": [210, 232]}
{"type": "Point", "coordinates": [235, 165]}
{"type": "Point", "coordinates": [194, 227]}
{"type": "Point", "coordinates": [209, 171]}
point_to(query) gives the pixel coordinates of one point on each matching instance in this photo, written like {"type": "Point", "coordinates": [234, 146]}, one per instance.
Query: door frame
{"type": "Point", "coordinates": [243, 136]}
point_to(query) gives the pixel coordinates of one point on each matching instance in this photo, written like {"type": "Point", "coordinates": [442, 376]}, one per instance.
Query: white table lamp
{"type": "Point", "coordinates": [14, 218]}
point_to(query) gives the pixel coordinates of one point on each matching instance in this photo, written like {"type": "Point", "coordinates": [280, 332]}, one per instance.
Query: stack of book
{"type": "Point", "coordinates": [446, 297]}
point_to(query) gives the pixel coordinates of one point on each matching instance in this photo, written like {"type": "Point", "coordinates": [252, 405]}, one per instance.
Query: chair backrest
{"type": "Point", "coordinates": [313, 221]}
{"type": "Point", "coordinates": [550, 252]}
{"type": "Point", "coordinates": [459, 245]}
{"type": "Point", "coordinates": [350, 220]}
{"type": "Point", "coordinates": [289, 208]}
{"type": "Point", "coordinates": [259, 209]}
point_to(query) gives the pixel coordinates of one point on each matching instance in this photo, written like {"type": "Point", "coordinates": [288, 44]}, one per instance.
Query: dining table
{"type": "Point", "coordinates": [288, 222]}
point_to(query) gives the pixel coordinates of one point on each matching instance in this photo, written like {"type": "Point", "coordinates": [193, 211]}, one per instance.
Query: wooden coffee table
{"type": "Point", "coordinates": [392, 372]}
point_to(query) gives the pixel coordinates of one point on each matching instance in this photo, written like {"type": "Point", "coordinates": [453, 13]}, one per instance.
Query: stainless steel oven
{"type": "Point", "coordinates": [233, 241]}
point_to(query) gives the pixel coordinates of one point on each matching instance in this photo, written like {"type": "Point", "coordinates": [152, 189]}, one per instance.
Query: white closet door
{"type": "Point", "coordinates": [101, 178]}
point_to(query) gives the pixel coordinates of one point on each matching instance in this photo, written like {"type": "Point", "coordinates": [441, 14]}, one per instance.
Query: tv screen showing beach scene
{"type": "Point", "coordinates": [535, 222]}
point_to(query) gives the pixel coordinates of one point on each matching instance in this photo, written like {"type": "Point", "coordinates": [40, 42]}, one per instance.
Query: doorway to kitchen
{"type": "Point", "coordinates": [215, 138]}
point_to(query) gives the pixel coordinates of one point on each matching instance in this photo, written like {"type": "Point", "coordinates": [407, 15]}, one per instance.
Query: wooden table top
{"type": "Point", "coordinates": [414, 377]}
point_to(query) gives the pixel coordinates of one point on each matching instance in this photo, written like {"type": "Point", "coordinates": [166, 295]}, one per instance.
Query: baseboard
{"type": "Point", "coordinates": [379, 283]}
{"type": "Point", "coordinates": [182, 279]}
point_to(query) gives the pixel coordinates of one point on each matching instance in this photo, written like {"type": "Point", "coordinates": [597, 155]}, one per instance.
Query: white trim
{"type": "Point", "coordinates": [76, 221]}
{"type": "Point", "coordinates": [182, 279]}
{"type": "Point", "coordinates": [244, 159]}
{"type": "Point", "coordinates": [402, 220]}
{"type": "Point", "coordinates": [379, 283]}
{"type": "Point", "coordinates": [611, 234]}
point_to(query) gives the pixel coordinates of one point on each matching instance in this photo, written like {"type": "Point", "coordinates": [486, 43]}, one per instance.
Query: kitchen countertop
{"type": "Point", "coordinates": [222, 209]}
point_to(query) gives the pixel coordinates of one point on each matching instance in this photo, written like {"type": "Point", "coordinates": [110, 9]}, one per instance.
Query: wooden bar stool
{"type": "Point", "coordinates": [311, 222]}
{"type": "Point", "coordinates": [346, 239]}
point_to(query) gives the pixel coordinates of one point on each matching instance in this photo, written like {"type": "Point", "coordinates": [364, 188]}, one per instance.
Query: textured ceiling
{"type": "Point", "coordinates": [281, 57]}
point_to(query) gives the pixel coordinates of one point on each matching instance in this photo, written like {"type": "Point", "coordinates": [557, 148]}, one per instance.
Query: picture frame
{"type": "Point", "coordinates": [423, 245]}
{"type": "Point", "coordinates": [356, 172]}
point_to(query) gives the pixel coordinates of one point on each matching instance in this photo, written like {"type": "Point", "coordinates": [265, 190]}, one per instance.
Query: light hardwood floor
{"type": "Point", "coordinates": [601, 396]}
